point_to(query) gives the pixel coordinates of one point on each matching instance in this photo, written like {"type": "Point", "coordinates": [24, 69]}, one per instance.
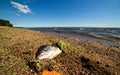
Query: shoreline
{"type": "Point", "coordinates": [82, 36]}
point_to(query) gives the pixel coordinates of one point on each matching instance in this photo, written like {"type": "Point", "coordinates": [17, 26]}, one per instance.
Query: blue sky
{"type": "Point", "coordinates": [61, 13]}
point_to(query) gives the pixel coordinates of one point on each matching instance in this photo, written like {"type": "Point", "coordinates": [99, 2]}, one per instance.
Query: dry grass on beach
{"type": "Point", "coordinates": [19, 46]}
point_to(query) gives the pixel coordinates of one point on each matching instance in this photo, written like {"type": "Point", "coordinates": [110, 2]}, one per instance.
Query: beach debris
{"type": "Point", "coordinates": [45, 72]}
{"type": "Point", "coordinates": [47, 52]}
{"type": "Point", "coordinates": [27, 52]}
{"type": "Point", "coordinates": [60, 44]}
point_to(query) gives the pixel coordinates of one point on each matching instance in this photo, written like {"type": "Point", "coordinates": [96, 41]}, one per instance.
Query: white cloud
{"type": "Point", "coordinates": [13, 12]}
{"type": "Point", "coordinates": [17, 14]}
{"type": "Point", "coordinates": [22, 8]}
{"type": "Point", "coordinates": [95, 25]}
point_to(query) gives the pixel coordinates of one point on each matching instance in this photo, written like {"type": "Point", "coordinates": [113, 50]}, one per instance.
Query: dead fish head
{"type": "Point", "coordinates": [48, 52]}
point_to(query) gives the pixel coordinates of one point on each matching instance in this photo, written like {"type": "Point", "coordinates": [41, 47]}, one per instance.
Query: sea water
{"type": "Point", "coordinates": [110, 36]}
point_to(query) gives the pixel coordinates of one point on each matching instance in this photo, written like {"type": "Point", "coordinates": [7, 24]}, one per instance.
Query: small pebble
{"type": "Point", "coordinates": [107, 65]}
{"type": "Point", "coordinates": [97, 62]}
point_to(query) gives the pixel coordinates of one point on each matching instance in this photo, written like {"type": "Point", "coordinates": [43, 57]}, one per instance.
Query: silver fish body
{"type": "Point", "coordinates": [48, 52]}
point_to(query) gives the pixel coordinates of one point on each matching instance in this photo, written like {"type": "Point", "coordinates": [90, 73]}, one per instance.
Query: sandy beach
{"type": "Point", "coordinates": [18, 48]}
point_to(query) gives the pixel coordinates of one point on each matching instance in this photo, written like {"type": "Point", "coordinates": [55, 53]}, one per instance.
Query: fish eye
{"type": "Point", "coordinates": [45, 50]}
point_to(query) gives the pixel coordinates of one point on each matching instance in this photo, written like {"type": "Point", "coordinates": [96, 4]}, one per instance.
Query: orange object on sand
{"type": "Point", "coordinates": [45, 72]}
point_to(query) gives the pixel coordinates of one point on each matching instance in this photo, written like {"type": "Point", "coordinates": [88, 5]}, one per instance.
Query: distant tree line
{"type": "Point", "coordinates": [5, 23]}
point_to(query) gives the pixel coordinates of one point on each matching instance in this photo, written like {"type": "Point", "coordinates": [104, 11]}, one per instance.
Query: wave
{"type": "Point", "coordinates": [115, 36]}
{"type": "Point", "coordinates": [81, 34]}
